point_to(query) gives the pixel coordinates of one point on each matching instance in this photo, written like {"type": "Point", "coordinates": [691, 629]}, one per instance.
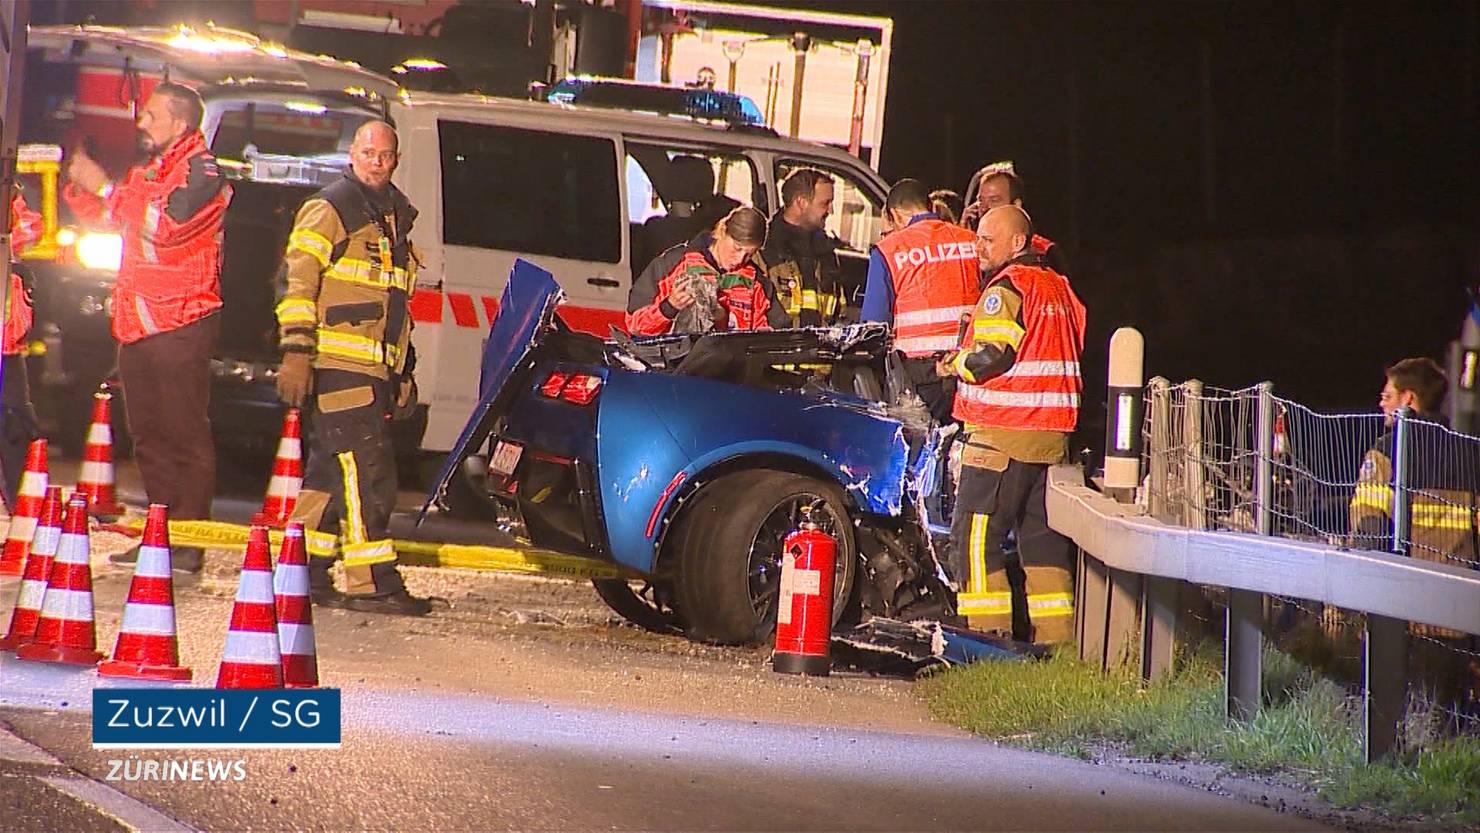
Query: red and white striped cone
{"type": "Point", "coordinates": [147, 647]}
{"type": "Point", "coordinates": [252, 658]}
{"type": "Point", "coordinates": [65, 631]}
{"type": "Point", "coordinates": [32, 593]}
{"type": "Point", "coordinates": [95, 481]}
{"type": "Point", "coordinates": [295, 612]}
{"type": "Point", "coordinates": [27, 507]}
{"type": "Point", "coordinates": [287, 473]}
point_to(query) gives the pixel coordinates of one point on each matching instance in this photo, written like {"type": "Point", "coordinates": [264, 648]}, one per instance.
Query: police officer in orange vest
{"type": "Point", "coordinates": [1018, 395]}
{"type": "Point", "coordinates": [923, 278]}
{"type": "Point", "coordinates": [998, 184]}
{"type": "Point", "coordinates": [167, 296]}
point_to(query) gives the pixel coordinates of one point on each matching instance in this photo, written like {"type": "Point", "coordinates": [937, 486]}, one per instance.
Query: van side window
{"type": "Point", "coordinates": [530, 192]}
{"type": "Point", "coordinates": [675, 193]}
{"type": "Point", "coordinates": [855, 218]}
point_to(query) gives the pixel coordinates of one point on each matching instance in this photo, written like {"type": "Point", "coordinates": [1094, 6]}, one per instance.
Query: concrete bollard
{"type": "Point", "coordinates": [1123, 422]}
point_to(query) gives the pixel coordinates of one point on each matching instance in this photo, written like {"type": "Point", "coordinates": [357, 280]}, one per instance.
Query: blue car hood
{"type": "Point", "coordinates": [525, 311]}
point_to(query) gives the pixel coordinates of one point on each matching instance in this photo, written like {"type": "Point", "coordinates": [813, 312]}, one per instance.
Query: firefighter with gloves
{"type": "Point", "coordinates": [345, 331]}
{"type": "Point", "coordinates": [1018, 396]}
{"type": "Point", "coordinates": [713, 282]}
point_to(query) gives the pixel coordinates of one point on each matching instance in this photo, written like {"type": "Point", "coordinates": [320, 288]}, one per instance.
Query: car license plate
{"type": "Point", "coordinates": [505, 457]}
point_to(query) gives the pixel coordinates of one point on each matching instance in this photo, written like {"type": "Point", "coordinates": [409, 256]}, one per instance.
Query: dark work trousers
{"type": "Point", "coordinates": [349, 483]}
{"type": "Point", "coordinates": [989, 504]}
{"type": "Point", "coordinates": [17, 424]}
{"type": "Point", "coordinates": [938, 393]}
{"type": "Point", "coordinates": [167, 394]}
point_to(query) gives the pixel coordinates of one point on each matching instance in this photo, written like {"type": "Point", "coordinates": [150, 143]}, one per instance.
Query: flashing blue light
{"type": "Point", "coordinates": [731, 108]}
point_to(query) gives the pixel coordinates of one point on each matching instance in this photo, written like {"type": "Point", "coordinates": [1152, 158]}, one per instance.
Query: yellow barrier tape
{"type": "Point", "coordinates": [531, 561]}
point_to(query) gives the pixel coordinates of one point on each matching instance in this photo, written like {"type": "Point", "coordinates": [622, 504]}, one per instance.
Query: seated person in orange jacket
{"type": "Point", "coordinates": [713, 282]}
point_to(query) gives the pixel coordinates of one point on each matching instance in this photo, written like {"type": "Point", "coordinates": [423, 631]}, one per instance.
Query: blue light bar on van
{"type": "Point", "coordinates": [621, 94]}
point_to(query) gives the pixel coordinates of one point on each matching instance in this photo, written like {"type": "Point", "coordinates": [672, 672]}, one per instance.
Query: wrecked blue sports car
{"type": "Point", "coordinates": [689, 458]}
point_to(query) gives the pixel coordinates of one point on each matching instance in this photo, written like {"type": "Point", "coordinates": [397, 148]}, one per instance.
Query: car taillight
{"type": "Point", "coordinates": [575, 388]}
{"type": "Point", "coordinates": [553, 383]}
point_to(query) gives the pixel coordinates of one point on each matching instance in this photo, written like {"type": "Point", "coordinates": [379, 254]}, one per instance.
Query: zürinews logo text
{"type": "Point", "coordinates": [205, 718]}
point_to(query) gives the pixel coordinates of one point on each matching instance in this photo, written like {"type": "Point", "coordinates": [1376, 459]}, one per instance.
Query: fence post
{"type": "Point", "coordinates": [1385, 646]}
{"type": "Point", "coordinates": [1159, 605]}
{"type": "Point", "coordinates": [1124, 403]}
{"type": "Point", "coordinates": [1194, 484]}
{"type": "Point", "coordinates": [1245, 639]}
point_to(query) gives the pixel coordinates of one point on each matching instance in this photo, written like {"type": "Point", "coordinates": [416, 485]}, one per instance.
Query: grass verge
{"type": "Point", "coordinates": [1309, 729]}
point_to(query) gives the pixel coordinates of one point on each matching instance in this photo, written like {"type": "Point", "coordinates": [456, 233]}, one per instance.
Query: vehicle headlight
{"type": "Point", "coordinates": [99, 250]}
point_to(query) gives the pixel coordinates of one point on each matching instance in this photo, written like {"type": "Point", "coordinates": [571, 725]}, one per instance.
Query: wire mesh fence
{"type": "Point", "coordinates": [1216, 458]}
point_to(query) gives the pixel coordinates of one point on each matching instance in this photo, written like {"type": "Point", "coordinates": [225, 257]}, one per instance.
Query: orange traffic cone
{"type": "Point", "coordinates": [294, 612]}
{"type": "Point", "coordinates": [32, 592]}
{"type": "Point", "coordinates": [252, 658]}
{"type": "Point", "coordinates": [65, 631]}
{"type": "Point", "coordinates": [95, 481]}
{"type": "Point", "coordinates": [147, 647]}
{"type": "Point", "coordinates": [287, 473]}
{"type": "Point", "coordinates": [23, 513]}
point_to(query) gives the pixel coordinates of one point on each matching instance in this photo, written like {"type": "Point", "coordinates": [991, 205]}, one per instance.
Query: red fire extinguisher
{"type": "Point", "coordinates": [804, 611]}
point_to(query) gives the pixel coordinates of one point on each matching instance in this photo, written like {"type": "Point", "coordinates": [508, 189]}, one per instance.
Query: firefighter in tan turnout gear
{"type": "Point", "coordinates": [346, 337]}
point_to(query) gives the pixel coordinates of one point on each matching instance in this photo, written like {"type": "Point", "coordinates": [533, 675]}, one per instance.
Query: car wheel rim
{"type": "Point", "coordinates": [764, 567]}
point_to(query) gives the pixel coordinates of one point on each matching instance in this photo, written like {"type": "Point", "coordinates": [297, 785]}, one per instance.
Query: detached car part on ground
{"type": "Point", "coordinates": [689, 458]}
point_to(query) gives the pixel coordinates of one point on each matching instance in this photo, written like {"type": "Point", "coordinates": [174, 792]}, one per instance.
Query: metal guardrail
{"type": "Point", "coordinates": [1261, 499]}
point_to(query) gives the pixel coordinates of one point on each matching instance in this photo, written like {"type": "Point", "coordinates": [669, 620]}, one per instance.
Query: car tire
{"type": "Point", "coordinates": [642, 606]}
{"type": "Point", "coordinates": [728, 551]}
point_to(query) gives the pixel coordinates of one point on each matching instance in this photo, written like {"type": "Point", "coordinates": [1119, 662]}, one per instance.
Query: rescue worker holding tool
{"type": "Point", "coordinates": [166, 299]}
{"type": "Point", "coordinates": [801, 257]}
{"type": "Point", "coordinates": [19, 419]}
{"type": "Point", "coordinates": [923, 278]}
{"type": "Point", "coordinates": [345, 331]}
{"type": "Point", "coordinates": [999, 184]}
{"type": "Point", "coordinates": [1018, 397]}
{"type": "Point", "coordinates": [713, 282]}
{"type": "Point", "coordinates": [1442, 512]}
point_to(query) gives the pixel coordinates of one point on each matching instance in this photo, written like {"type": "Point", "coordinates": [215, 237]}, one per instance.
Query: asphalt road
{"type": "Point", "coordinates": [523, 704]}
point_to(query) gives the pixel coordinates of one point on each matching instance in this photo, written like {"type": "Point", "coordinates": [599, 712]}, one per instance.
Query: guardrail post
{"type": "Point", "coordinates": [1384, 683]}
{"type": "Point", "coordinates": [1123, 424]}
{"type": "Point", "coordinates": [1159, 595]}
{"type": "Point", "coordinates": [1243, 660]}
{"type": "Point", "coordinates": [1385, 646]}
{"type": "Point", "coordinates": [1094, 597]}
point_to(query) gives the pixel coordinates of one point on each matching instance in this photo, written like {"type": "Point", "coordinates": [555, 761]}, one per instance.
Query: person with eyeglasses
{"type": "Point", "coordinates": [344, 326]}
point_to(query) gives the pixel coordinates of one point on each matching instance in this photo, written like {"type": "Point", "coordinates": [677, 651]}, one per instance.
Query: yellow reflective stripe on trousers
{"type": "Point", "coordinates": [977, 554]}
{"type": "Point", "coordinates": [358, 348]}
{"type": "Point", "coordinates": [353, 522]}
{"type": "Point", "coordinates": [365, 273]}
{"type": "Point", "coordinates": [1050, 604]}
{"type": "Point", "coordinates": [297, 311]}
{"type": "Point", "coordinates": [311, 243]}
{"type": "Point", "coordinates": [370, 552]}
{"type": "Point", "coordinates": [321, 544]}
{"type": "Point", "coordinates": [997, 603]}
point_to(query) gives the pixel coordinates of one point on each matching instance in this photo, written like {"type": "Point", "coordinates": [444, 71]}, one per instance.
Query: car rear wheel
{"type": "Point", "coordinates": [646, 604]}
{"type": "Point", "coordinates": [728, 550]}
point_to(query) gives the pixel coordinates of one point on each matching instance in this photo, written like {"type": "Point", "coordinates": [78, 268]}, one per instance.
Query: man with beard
{"type": "Point", "coordinates": [167, 297]}
{"type": "Point", "coordinates": [800, 255]}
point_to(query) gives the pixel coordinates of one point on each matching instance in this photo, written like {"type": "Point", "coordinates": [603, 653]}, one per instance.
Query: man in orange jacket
{"type": "Point", "coordinates": [18, 423]}
{"type": "Point", "coordinates": [167, 296]}
{"type": "Point", "coordinates": [1018, 395]}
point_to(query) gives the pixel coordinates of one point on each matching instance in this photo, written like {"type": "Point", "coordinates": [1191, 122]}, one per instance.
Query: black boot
{"type": "Point", "coordinates": [395, 602]}
{"type": "Point", "coordinates": [188, 560]}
